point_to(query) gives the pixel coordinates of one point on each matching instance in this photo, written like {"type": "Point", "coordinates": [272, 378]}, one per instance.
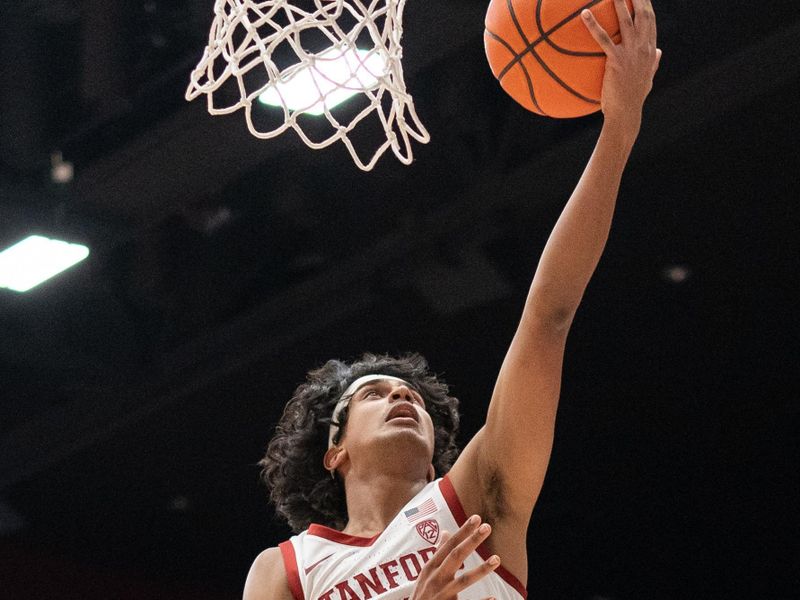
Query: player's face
{"type": "Point", "coordinates": [388, 411]}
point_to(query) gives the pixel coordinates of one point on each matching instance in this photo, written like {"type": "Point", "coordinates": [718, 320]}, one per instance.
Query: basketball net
{"type": "Point", "coordinates": [302, 57]}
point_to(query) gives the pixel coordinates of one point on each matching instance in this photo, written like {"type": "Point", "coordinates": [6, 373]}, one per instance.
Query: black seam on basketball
{"type": "Point", "coordinates": [527, 42]}
{"type": "Point", "coordinates": [551, 43]}
{"type": "Point", "coordinates": [531, 91]}
{"type": "Point", "coordinates": [545, 36]}
{"type": "Point", "coordinates": [508, 46]}
{"type": "Point", "coordinates": [559, 81]}
{"type": "Point", "coordinates": [530, 87]}
{"type": "Point", "coordinates": [513, 15]}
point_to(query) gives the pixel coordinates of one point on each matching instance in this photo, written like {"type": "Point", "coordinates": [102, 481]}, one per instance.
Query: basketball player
{"type": "Point", "coordinates": [363, 461]}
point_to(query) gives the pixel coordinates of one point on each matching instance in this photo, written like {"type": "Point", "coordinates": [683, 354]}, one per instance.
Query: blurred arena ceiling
{"type": "Point", "coordinates": [141, 386]}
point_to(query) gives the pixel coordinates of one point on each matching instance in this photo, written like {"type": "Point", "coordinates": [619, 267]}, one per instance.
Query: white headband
{"type": "Point", "coordinates": [344, 400]}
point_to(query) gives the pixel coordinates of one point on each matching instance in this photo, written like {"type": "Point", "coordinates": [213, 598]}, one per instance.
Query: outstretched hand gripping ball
{"type": "Point", "coordinates": [544, 56]}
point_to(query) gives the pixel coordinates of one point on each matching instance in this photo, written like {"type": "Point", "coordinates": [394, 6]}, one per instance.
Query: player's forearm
{"type": "Point", "coordinates": [579, 236]}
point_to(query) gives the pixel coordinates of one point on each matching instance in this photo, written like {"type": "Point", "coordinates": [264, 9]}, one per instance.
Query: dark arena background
{"type": "Point", "coordinates": [140, 387]}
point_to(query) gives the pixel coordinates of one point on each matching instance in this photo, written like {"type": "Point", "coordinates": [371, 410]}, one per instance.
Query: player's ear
{"type": "Point", "coordinates": [431, 473]}
{"type": "Point", "coordinates": [333, 458]}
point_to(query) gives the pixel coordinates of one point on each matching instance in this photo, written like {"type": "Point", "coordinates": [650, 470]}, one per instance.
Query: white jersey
{"type": "Point", "coordinates": [325, 564]}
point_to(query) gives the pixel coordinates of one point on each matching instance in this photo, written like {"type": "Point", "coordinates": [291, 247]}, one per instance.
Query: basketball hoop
{"type": "Point", "coordinates": [302, 59]}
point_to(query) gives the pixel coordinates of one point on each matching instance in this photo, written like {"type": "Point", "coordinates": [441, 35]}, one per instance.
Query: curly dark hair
{"type": "Point", "coordinates": [301, 489]}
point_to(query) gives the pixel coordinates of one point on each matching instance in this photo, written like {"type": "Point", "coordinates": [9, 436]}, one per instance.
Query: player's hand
{"type": "Point", "coordinates": [631, 64]}
{"type": "Point", "coordinates": [438, 579]}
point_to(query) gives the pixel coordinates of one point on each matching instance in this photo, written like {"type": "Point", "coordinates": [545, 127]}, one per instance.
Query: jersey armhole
{"type": "Point", "coordinates": [292, 574]}
{"type": "Point", "coordinates": [457, 510]}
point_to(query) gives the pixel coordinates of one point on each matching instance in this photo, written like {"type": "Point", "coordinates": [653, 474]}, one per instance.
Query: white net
{"type": "Point", "coordinates": [300, 60]}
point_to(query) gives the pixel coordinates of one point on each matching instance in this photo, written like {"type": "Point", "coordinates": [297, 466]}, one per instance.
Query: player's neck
{"type": "Point", "coordinates": [373, 501]}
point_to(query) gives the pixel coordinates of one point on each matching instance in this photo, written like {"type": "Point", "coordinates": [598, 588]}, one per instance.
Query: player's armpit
{"type": "Point", "coordinates": [267, 578]}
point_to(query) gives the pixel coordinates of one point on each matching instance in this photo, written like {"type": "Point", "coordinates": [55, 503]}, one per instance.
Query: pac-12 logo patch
{"type": "Point", "coordinates": [429, 531]}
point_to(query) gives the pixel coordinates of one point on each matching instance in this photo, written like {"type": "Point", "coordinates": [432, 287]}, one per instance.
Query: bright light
{"type": "Point", "coordinates": [677, 273]}
{"type": "Point", "coordinates": [335, 75]}
{"type": "Point", "coordinates": [36, 259]}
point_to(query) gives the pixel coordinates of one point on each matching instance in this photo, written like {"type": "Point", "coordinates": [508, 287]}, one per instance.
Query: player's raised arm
{"type": "Point", "coordinates": [513, 448]}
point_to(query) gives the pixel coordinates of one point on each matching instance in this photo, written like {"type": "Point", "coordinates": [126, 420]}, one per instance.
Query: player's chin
{"type": "Point", "coordinates": [404, 422]}
{"type": "Point", "coordinates": [407, 433]}
{"type": "Point", "coordinates": [406, 427]}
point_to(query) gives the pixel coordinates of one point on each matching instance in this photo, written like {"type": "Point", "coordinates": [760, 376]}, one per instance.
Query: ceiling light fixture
{"type": "Point", "coordinates": [334, 76]}
{"type": "Point", "coordinates": [36, 259]}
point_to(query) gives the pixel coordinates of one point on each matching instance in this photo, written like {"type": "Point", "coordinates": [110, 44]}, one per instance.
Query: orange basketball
{"type": "Point", "coordinates": [544, 56]}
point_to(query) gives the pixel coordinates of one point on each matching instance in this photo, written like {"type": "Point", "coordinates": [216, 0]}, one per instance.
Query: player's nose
{"type": "Point", "coordinates": [401, 392]}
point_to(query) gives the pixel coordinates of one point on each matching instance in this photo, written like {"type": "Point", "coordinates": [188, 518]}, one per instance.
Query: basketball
{"type": "Point", "coordinates": [544, 56]}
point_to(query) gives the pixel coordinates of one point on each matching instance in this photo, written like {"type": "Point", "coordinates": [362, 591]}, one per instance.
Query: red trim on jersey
{"type": "Point", "coordinates": [292, 574]}
{"type": "Point", "coordinates": [450, 496]}
{"type": "Point", "coordinates": [339, 537]}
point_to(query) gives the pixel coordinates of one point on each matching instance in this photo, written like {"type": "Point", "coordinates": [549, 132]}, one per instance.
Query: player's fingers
{"type": "Point", "coordinates": [458, 555]}
{"type": "Point", "coordinates": [599, 34]}
{"type": "Point", "coordinates": [453, 540]}
{"type": "Point", "coordinates": [645, 18]}
{"type": "Point", "coordinates": [653, 23]}
{"type": "Point", "coordinates": [638, 6]}
{"type": "Point", "coordinates": [623, 16]}
{"type": "Point", "coordinates": [466, 579]}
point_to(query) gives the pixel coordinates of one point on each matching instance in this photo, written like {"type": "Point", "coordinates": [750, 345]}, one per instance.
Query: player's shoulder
{"type": "Point", "coordinates": [267, 578]}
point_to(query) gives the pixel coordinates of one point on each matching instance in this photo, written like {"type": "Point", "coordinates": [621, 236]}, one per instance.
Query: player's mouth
{"type": "Point", "coordinates": [403, 412]}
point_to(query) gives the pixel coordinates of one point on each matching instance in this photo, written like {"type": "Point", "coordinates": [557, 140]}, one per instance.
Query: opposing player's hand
{"type": "Point", "coordinates": [631, 64]}
{"type": "Point", "coordinates": [438, 579]}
